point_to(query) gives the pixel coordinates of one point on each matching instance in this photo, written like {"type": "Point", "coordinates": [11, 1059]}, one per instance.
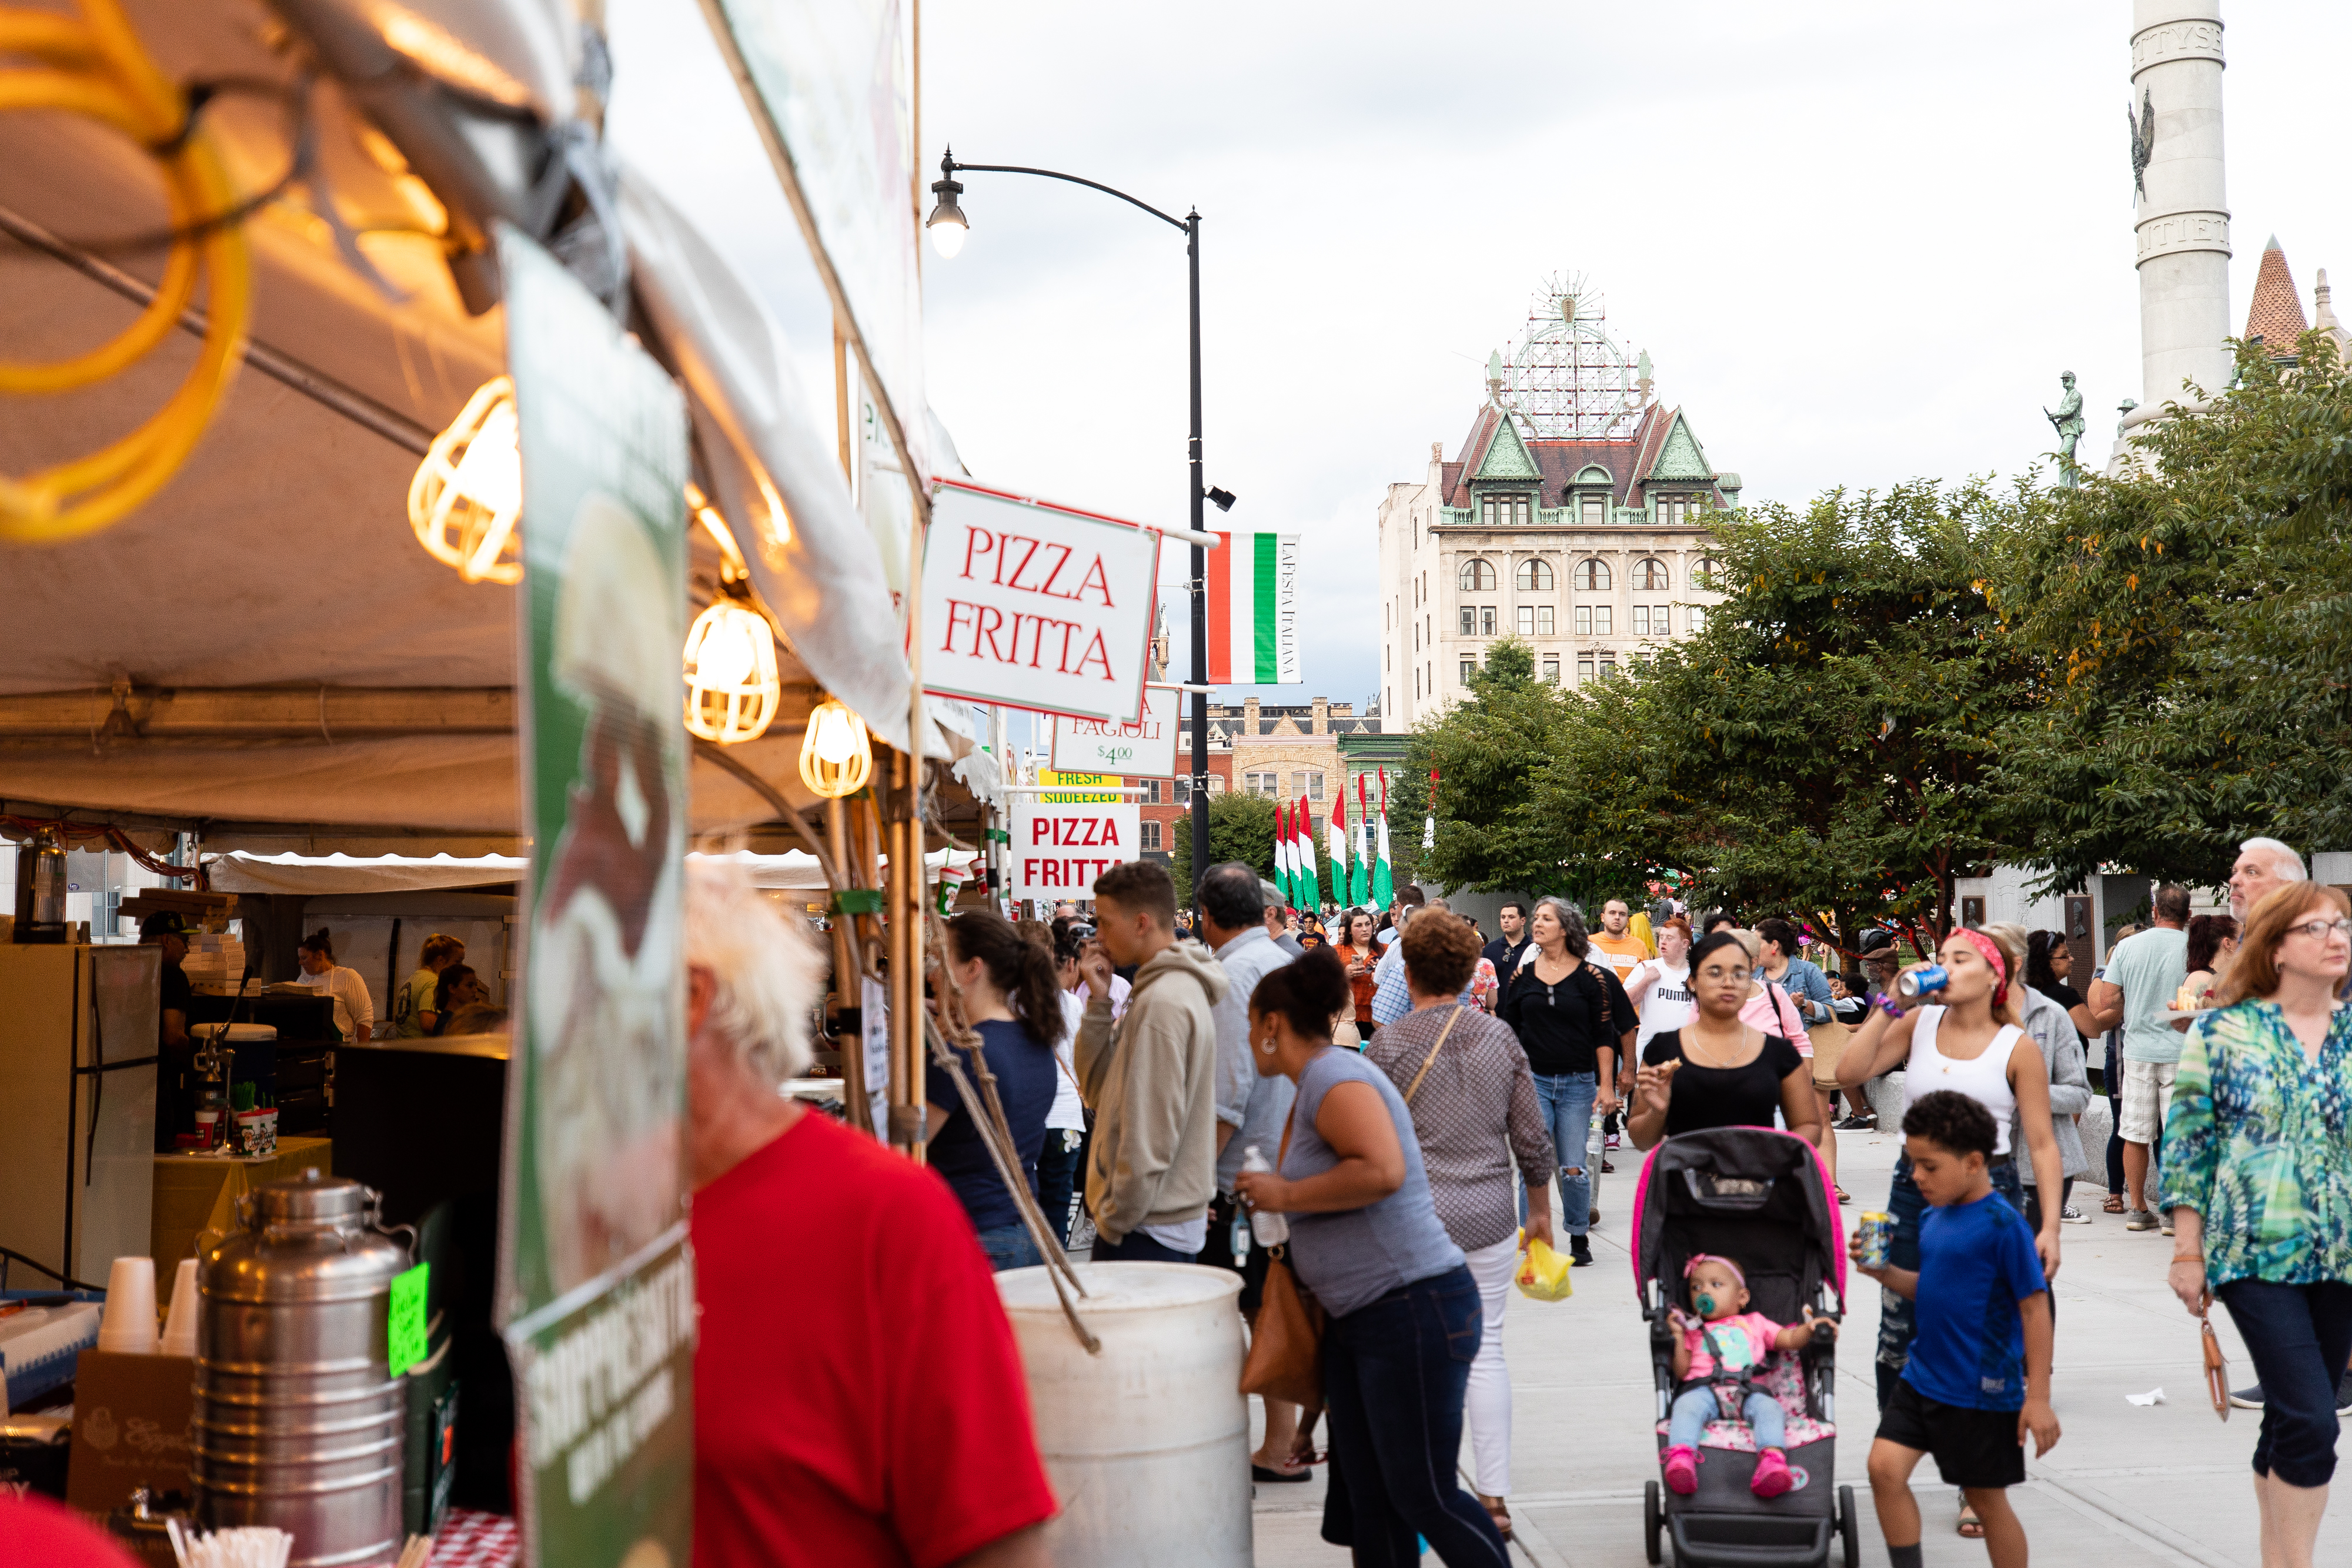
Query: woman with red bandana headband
{"type": "Point", "coordinates": [1969, 1038]}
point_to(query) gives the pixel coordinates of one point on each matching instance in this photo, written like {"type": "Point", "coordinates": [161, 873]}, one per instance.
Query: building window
{"type": "Point", "coordinates": [1583, 669]}
{"type": "Point", "coordinates": [1593, 576]}
{"type": "Point", "coordinates": [1584, 620]}
{"type": "Point", "coordinates": [1608, 665]}
{"type": "Point", "coordinates": [1693, 618]}
{"type": "Point", "coordinates": [1595, 511]}
{"type": "Point", "coordinates": [1307, 782]}
{"type": "Point", "coordinates": [1535, 620]}
{"type": "Point", "coordinates": [1502, 511]}
{"type": "Point", "coordinates": [1704, 571]}
{"type": "Point", "coordinates": [1150, 835]}
{"type": "Point", "coordinates": [1535, 577]}
{"type": "Point", "coordinates": [1416, 681]}
{"type": "Point", "coordinates": [1485, 620]}
{"type": "Point", "coordinates": [1469, 621]}
{"type": "Point", "coordinates": [1641, 621]}
{"type": "Point", "coordinates": [1151, 791]}
{"type": "Point", "coordinates": [1650, 575]}
{"type": "Point", "coordinates": [1552, 669]}
{"type": "Point", "coordinates": [1268, 784]}
{"type": "Point", "coordinates": [1660, 621]}
{"type": "Point", "coordinates": [1601, 615]}
{"type": "Point", "coordinates": [1183, 789]}
{"type": "Point", "coordinates": [1468, 665]}
{"type": "Point", "coordinates": [1478, 576]}
{"type": "Point", "coordinates": [1217, 784]}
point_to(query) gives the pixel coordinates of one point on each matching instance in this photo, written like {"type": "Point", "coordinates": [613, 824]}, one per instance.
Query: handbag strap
{"type": "Point", "coordinates": [1451, 1019]}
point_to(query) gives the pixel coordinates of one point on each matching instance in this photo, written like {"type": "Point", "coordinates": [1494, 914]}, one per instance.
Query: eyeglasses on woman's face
{"type": "Point", "coordinates": [2321, 930]}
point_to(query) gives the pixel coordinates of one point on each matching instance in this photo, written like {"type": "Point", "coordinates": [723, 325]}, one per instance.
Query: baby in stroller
{"type": "Point", "coordinates": [1722, 1346]}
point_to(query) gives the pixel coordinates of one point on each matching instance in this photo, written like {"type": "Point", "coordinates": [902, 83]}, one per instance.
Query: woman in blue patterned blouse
{"type": "Point", "coordinates": [2258, 1176]}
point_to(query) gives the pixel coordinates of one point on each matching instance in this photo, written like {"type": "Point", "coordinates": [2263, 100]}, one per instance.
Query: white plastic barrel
{"type": "Point", "coordinates": [1148, 1443]}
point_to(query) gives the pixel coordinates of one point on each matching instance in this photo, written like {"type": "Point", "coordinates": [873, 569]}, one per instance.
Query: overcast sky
{"type": "Point", "coordinates": [1859, 242]}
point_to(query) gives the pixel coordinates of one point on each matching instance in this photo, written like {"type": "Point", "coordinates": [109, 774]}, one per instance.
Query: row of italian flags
{"type": "Point", "coordinates": [1360, 860]}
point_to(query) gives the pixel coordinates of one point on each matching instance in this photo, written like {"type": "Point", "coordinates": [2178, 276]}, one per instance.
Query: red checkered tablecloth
{"type": "Point", "coordinates": [472, 1539]}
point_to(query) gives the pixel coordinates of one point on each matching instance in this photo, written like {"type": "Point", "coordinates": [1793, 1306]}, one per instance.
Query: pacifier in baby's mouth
{"type": "Point", "coordinates": [1704, 1302]}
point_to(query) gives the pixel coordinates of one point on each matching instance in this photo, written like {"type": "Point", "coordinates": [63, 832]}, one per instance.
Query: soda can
{"type": "Point", "coordinates": [1913, 983]}
{"type": "Point", "coordinates": [1876, 1229]}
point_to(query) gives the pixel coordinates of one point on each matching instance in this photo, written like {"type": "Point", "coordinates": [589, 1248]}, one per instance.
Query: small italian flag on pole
{"type": "Point", "coordinates": [1309, 887]}
{"type": "Point", "coordinates": [1253, 594]}
{"type": "Point", "coordinates": [1337, 832]}
{"type": "Point", "coordinates": [1282, 851]}
{"type": "Point", "coordinates": [1383, 877]}
{"type": "Point", "coordinates": [1360, 880]}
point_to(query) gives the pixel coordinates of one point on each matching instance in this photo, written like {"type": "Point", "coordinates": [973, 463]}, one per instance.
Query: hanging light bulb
{"type": "Point", "coordinates": [467, 491]}
{"type": "Point", "coordinates": [731, 689]}
{"type": "Point", "coordinates": [837, 756]}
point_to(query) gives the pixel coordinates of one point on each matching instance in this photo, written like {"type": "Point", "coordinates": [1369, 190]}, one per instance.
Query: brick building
{"type": "Point", "coordinates": [1279, 751]}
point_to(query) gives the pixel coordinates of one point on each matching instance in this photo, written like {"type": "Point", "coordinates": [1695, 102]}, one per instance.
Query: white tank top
{"type": "Point", "coordinates": [1983, 1079]}
{"type": "Point", "coordinates": [1668, 1005]}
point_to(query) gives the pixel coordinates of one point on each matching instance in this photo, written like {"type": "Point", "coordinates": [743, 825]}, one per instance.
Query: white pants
{"type": "Point", "coordinates": [1487, 1407]}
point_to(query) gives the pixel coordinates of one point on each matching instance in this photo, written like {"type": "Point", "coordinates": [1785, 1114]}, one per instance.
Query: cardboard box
{"type": "Point", "coordinates": [132, 1427]}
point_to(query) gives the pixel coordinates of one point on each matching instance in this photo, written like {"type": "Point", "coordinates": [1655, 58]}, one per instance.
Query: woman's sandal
{"type": "Point", "coordinates": [1971, 1525]}
{"type": "Point", "coordinates": [1497, 1511]}
{"type": "Point", "coordinates": [1843, 1196]}
{"type": "Point", "coordinates": [2115, 1204]}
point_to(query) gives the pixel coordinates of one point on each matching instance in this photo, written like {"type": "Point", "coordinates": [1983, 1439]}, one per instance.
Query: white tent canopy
{"type": "Point", "coordinates": [338, 873]}
{"type": "Point", "coordinates": [264, 641]}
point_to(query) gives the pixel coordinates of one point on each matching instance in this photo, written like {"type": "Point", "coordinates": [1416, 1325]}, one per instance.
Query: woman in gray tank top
{"type": "Point", "coordinates": [1365, 1238]}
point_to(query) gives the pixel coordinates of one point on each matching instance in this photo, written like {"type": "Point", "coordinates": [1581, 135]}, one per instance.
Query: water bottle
{"type": "Point", "coordinates": [1269, 1228]}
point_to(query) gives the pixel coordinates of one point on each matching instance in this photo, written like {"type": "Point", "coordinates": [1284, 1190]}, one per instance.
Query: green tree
{"type": "Point", "coordinates": [1487, 752]}
{"type": "Point", "coordinates": [2194, 622]}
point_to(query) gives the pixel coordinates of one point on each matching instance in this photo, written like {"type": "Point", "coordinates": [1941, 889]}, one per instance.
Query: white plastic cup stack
{"type": "Point", "coordinates": [128, 1324]}
{"type": "Point", "coordinates": [180, 1326]}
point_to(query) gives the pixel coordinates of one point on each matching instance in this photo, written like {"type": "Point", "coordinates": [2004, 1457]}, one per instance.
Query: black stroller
{"type": "Point", "coordinates": [1761, 1198]}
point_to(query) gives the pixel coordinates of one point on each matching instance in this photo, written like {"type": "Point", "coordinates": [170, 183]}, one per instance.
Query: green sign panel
{"type": "Point", "coordinates": [406, 1332]}
{"type": "Point", "coordinates": [596, 1281]}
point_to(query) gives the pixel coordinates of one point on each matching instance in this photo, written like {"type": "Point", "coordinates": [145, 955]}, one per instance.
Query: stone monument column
{"type": "Point", "coordinates": [2183, 221]}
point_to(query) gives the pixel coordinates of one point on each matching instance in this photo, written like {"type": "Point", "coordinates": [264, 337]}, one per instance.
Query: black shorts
{"type": "Point", "coordinates": [1218, 1253]}
{"type": "Point", "coordinates": [1973, 1447]}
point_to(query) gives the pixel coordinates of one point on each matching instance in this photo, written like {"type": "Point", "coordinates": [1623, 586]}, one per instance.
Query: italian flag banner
{"type": "Point", "coordinates": [1383, 877]}
{"type": "Point", "coordinates": [1360, 880]}
{"type": "Point", "coordinates": [1308, 889]}
{"type": "Point", "coordinates": [1253, 597]}
{"type": "Point", "coordinates": [1338, 834]}
{"type": "Point", "coordinates": [1282, 878]}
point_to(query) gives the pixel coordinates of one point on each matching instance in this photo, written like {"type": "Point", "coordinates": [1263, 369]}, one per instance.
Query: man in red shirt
{"type": "Point", "coordinates": [858, 1396]}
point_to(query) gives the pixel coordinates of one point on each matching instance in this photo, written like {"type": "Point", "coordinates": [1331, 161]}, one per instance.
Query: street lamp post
{"type": "Point", "coordinates": [948, 226]}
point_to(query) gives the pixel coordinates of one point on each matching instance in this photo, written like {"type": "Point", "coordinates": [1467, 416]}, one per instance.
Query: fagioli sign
{"type": "Point", "coordinates": [1059, 851]}
{"type": "Point", "coordinates": [1143, 750]}
{"type": "Point", "coordinates": [1037, 606]}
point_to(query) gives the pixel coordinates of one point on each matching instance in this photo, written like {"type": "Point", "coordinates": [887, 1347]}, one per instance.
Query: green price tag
{"type": "Point", "coordinates": [407, 1328]}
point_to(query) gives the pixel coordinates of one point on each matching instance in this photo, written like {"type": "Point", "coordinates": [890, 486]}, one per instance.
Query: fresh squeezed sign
{"type": "Point", "coordinates": [596, 1275]}
{"type": "Point", "coordinates": [1143, 750]}
{"type": "Point", "coordinates": [1035, 606]}
{"type": "Point", "coordinates": [1059, 850]}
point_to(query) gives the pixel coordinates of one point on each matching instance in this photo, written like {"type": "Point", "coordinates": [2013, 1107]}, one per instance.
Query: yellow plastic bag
{"type": "Point", "coordinates": [1543, 1273]}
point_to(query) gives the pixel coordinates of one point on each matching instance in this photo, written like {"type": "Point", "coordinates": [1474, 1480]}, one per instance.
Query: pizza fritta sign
{"type": "Point", "coordinates": [1037, 606]}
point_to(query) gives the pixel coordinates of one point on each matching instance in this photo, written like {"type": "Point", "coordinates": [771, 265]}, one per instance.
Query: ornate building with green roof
{"type": "Point", "coordinates": [1573, 516]}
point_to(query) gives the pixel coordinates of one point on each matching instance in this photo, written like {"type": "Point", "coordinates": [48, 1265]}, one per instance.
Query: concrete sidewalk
{"type": "Point", "coordinates": [2125, 1486]}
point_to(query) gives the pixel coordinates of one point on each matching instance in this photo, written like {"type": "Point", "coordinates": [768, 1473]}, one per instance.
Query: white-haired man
{"type": "Point", "coordinates": [891, 1424]}
{"type": "Point", "coordinates": [2263, 866]}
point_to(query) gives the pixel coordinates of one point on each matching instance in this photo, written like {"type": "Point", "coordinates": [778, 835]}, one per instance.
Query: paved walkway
{"type": "Point", "coordinates": [2125, 1486]}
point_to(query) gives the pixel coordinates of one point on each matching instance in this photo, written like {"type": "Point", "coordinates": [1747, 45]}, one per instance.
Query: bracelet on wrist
{"type": "Point", "coordinates": [1886, 1004]}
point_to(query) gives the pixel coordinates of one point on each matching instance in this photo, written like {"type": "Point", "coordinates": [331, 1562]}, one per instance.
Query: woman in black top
{"type": "Point", "coordinates": [1556, 1005]}
{"type": "Point", "coordinates": [1716, 1071]}
{"type": "Point", "coordinates": [2048, 962]}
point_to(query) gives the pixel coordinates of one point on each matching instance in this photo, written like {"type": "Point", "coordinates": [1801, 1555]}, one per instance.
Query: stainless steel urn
{"type": "Point", "coordinates": [298, 1418]}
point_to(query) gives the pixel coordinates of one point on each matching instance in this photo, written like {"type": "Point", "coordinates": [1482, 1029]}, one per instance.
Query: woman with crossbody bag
{"type": "Point", "coordinates": [1483, 1137]}
{"type": "Point", "coordinates": [1402, 1315]}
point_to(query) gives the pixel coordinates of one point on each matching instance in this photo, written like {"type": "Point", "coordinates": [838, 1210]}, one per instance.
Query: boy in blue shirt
{"type": "Point", "coordinates": [1978, 1378]}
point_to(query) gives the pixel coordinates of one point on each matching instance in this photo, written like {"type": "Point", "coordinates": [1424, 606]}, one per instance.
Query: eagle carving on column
{"type": "Point", "coordinates": [2143, 140]}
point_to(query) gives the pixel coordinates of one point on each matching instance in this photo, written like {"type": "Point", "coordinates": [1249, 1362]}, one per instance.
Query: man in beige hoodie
{"type": "Point", "coordinates": [1151, 1077]}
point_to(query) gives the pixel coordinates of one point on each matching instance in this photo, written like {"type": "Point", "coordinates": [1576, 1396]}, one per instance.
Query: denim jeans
{"type": "Point", "coordinates": [1135, 1246]}
{"type": "Point", "coordinates": [1896, 1324]}
{"type": "Point", "coordinates": [1057, 1175]}
{"type": "Point", "coordinates": [1567, 1100]}
{"type": "Point", "coordinates": [1695, 1407]}
{"type": "Point", "coordinates": [1009, 1246]}
{"type": "Point", "coordinates": [2299, 1337]}
{"type": "Point", "coordinates": [1395, 1373]}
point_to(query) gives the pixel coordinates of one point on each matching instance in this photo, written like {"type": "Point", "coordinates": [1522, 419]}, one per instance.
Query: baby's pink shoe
{"type": "Point", "coordinates": [1772, 1477]}
{"type": "Point", "coordinates": [1682, 1471]}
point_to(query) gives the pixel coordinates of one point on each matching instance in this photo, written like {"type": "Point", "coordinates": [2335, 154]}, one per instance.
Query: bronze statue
{"type": "Point", "coordinates": [2068, 422]}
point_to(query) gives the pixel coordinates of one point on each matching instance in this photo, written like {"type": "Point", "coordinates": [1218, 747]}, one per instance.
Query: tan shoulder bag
{"type": "Point", "coordinates": [1286, 1353]}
